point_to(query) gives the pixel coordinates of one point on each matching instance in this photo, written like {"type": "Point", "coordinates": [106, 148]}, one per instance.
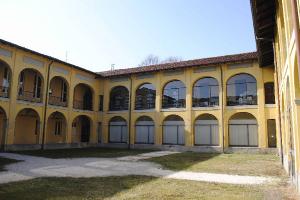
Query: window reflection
{"type": "Point", "coordinates": [174, 95]}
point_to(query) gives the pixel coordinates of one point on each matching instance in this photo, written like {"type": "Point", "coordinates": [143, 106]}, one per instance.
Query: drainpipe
{"type": "Point", "coordinates": [222, 110]}
{"type": "Point", "coordinates": [129, 116]}
{"type": "Point", "coordinates": [295, 20]}
{"type": "Point", "coordinates": [46, 105]}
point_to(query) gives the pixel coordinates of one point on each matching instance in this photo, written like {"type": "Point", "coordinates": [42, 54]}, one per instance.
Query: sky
{"type": "Point", "coordinates": [94, 34]}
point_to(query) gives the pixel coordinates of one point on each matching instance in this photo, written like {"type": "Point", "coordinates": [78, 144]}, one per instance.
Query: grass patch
{"type": "Point", "coordinates": [242, 164]}
{"type": "Point", "coordinates": [83, 153]}
{"type": "Point", "coordinates": [129, 187]}
{"type": "Point", "coordinates": [6, 161]}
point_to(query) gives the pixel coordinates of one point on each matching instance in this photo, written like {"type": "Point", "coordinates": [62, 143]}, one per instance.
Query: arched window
{"type": "Point", "coordinates": [119, 99]}
{"type": "Point", "coordinates": [206, 130]}
{"type": "Point", "coordinates": [269, 93]}
{"type": "Point", "coordinates": [206, 93]}
{"type": "Point", "coordinates": [81, 129]}
{"type": "Point", "coordinates": [173, 130]}
{"type": "Point", "coordinates": [58, 92]}
{"type": "Point", "coordinates": [5, 76]}
{"type": "Point", "coordinates": [243, 130]}
{"type": "Point", "coordinates": [118, 130]}
{"type": "Point", "coordinates": [144, 130]}
{"type": "Point", "coordinates": [174, 95]}
{"type": "Point", "coordinates": [145, 97]}
{"type": "Point", "coordinates": [83, 97]}
{"type": "Point", "coordinates": [241, 90]}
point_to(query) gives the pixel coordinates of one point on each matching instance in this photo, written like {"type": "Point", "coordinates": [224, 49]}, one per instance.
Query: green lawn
{"type": "Point", "coordinates": [5, 161]}
{"type": "Point", "coordinates": [83, 153]}
{"type": "Point", "coordinates": [129, 187]}
{"type": "Point", "coordinates": [242, 164]}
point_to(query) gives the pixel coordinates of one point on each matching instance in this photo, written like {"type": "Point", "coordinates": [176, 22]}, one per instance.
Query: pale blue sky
{"type": "Point", "coordinates": [97, 33]}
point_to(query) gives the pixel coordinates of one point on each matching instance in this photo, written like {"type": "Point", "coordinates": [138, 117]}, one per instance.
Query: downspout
{"type": "Point", "coordinates": [46, 105]}
{"type": "Point", "coordinates": [222, 110]}
{"type": "Point", "coordinates": [279, 104]}
{"type": "Point", "coordinates": [129, 114]}
{"type": "Point", "coordinates": [296, 28]}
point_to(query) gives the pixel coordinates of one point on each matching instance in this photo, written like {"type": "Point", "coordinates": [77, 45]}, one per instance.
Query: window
{"type": "Point", "coordinates": [145, 97]}
{"type": "Point", "coordinates": [174, 95]}
{"type": "Point", "coordinates": [206, 93]}
{"type": "Point", "coordinates": [119, 99]}
{"type": "Point", "coordinates": [269, 93]}
{"type": "Point", "coordinates": [241, 90]}
{"type": "Point", "coordinates": [173, 130]}
{"type": "Point", "coordinates": [206, 130]}
{"type": "Point", "coordinates": [118, 130]}
{"type": "Point", "coordinates": [271, 124]}
{"type": "Point", "coordinates": [144, 131]}
{"type": "Point", "coordinates": [100, 102]}
{"type": "Point", "coordinates": [58, 127]}
{"type": "Point", "coordinates": [243, 130]}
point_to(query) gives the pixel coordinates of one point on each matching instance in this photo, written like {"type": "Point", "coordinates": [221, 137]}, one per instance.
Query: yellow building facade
{"type": "Point", "coordinates": [277, 32]}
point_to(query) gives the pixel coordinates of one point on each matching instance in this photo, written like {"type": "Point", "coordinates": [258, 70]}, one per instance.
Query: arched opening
{"type": "Point", "coordinates": [83, 97]}
{"type": "Point", "coordinates": [145, 97]}
{"type": "Point", "coordinates": [119, 99]}
{"type": "Point", "coordinates": [173, 130]}
{"type": "Point", "coordinates": [144, 130]}
{"type": "Point", "coordinates": [3, 124]}
{"type": "Point", "coordinates": [118, 132]}
{"type": "Point", "coordinates": [269, 93]}
{"type": "Point", "coordinates": [56, 128]}
{"type": "Point", "coordinates": [27, 127]}
{"type": "Point", "coordinates": [30, 87]}
{"type": "Point", "coordinates": [243, 130]}
{"type": "Point", "coordinates": [206, 92]}
{"type": "Point", "coordinates": [241, 90]}
{"type": "Point", "coordinates": [206, 130]}
{"type": "Point", "coordinates": [5, 76]}
{"type": "Point", "coordinates": [58, 92]}
{"type": "Point", "coordinates": [81, 129]}
{"type": "Point", "coordinates": [174, 94]}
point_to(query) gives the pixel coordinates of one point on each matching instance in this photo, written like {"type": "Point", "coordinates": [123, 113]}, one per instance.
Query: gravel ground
{"type": "Point", "coordinates": [33, 167]}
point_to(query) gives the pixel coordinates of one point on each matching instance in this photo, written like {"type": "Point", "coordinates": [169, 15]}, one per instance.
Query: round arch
{"type": "Point", "coordinates": [81, 129]}
{"type": "Point", "coordinates": [118, 130]}
{"type": "Point", "coordinates": [144, 130]}
{"type": "Point", "coordinates": [243, 130]}
{"type": "Point", "coordinates": [56, 128]}
{"type": "Point", "coordinates": [206, 130]}
{"type": "Point", "coordinates": [83, 97]}
{"type": "Point", "coordinates": [5, 79]}
{"type": "Point", "coordinates": [145, 96]}
{"type": "Point", "coordinates": [206, 92]}
{"type": "Point", "coordinates": [3, 124]}
{"type": "Point", "coordinates": [27, 127]}
{"type": "Point", "coordinates": [173, 130]}
{"type": "Point", "coordinates": [241, 89]}
{"type": "Point", "coordinates": [59, 91]}
{"type": "Point", "coordinates": [119, 98]}
{"type": "Point", "coordinates": [174, 94]}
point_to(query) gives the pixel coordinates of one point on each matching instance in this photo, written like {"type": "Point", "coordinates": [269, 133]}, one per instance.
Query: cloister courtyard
{"type": "Point", "coordinates": [100, 173]}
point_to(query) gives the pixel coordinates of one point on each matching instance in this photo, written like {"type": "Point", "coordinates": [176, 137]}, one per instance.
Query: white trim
{"type": "Point", "coordinates": [242, 107]}
{"type": "Point", "coordinates": [146, 111]}
{"type": "Point", "coordinates": [206, 108]}
{"type": "Point", "coordinates": [173, 110]}
{"type": "Point", "coordinates": [270, 105]}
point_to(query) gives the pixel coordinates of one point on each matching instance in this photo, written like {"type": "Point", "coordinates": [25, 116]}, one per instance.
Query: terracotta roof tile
{"type": "Point", "coordinates": [182, 64]}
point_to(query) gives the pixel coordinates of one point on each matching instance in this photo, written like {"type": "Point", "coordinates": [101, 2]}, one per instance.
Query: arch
{"type": "Point", "coordinates": [58, 91]}
{"type": "Point", "coordinates": [118, 131]}
{"type": "Point", "coordinates": [5, 79]}
{"type": "Point", "coordinates": [144, 130]}
{"type": "Point", "coordinates": [3, 124]}
{"type": "Point", "coordinates": [56, 128]}
{"type": "Point", "coordinates": [206, 92]}
{"type": "Point", "coordinates": [27, 127]}
{"type": "Point", "coordinates": [30, 86]}
{"type": "Point", "coordinates": [243, 130]}
{"type": "Point", "coordinates": [118, 98]}
{"type": "Point", "coordinates": [83, 97]}
{"type": "Point", "coordinates": [269, 93]}
{"type": "Point", "coordinates": [174, 94]}
{"type": "Point", "coordinates": [241, 90]}
{"type": "Point", "coordinates": [206, 130]}
{"type": "Point", "coordinates": [173, 130]}
{"type": "Point", "coordinates": [145, 96]}
{"type": "Point", "coordinates": [81, 129]}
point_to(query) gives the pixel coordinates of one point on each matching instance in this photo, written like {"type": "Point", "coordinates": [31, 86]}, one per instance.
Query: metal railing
{"type": "Point", "coordinates": [4, 92]}
{"type": "Point", "coordinates": [30, 96]}
{"type": "Point", "coordinates": [57, 101]}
